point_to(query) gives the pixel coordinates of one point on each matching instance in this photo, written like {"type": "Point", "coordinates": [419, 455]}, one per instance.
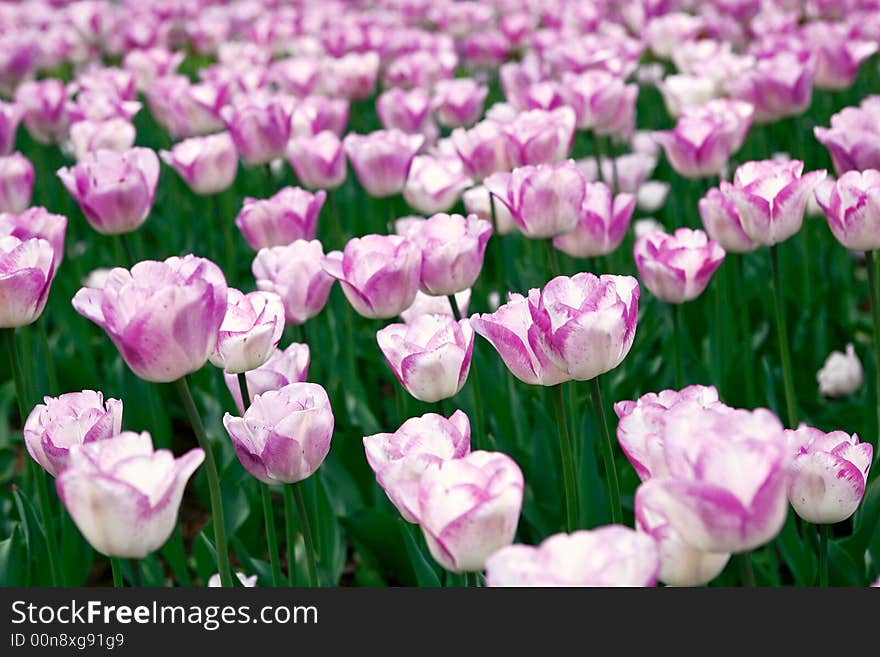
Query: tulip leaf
{"type": "Point", "coordinates": [844, 570]}
{"type": "Point", "coordinates": [425, 574]}
{"type": "Point", "coordinates": [378, 539]}
{"type": "Point", "coordinates": [14, 564]}
{"type": "Point", "coordinates": [77, 556]}
{"type": "Point", "coordinates": [865, 522]}
{"type": "Point", "coordinates": [174, 554]}
{"type": "Point", "coordinates": [796, 552]}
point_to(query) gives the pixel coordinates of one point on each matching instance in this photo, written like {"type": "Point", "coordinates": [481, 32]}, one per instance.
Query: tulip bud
{"type": "Point", "coordinates": [458, 102]}
{"type": "Point", "coordinates": [853, 140]}
{"type": "Point", "coordinates": [282, 367]}
{"type": "Point", "coordinates": [115, 191]}
{"type": "Point", "coordinates": [16, 183]}
{"type": "Point", "coordinates": [434, 184]}
{"type": "Point", "coordinates": [208, 165]}
{"type": "Point", "coordinates": [841, 375]}
{"type": "Point", "coordinates": [469, 508]}
{"type": "Point", "coordinates": [163, 317]}
{"type": "Point", "coordinates": [259, 124]}
{"type": "Point", "coordinates": [319, 161]}
{"type": "Point", "coordinates": [43, 106]}
{"type": "Point", "coordinates": [778, 85]}
{"type": "Point", "coordinates": [26, 271]}
{"type": "Point", "coordinates": [400, 459]}
{"type": "Point", "coordinates": [406, 110]}
{"type": "Point", "coordinates": [382, 159]}
{"type": "Point", "coordinates": [37, 222]}
{"type": "Point", "coordinates": [285, 434]}
{"type": "Point", "coordinates": [294, 272]}
{"type": "Point", "coordinates": [316, 114]}
{"type": "Point", "coordinates": [852, 206]}
{"type": "Point", "coordinates": [250, 332]}
{"type": "Point", "coordinates": [247, 582]}
{"type": "Point", "coordinates": [289, 215]}
{"type": "Point", "coordinates": [613, 555]}
{"type": "Point", "coordinates": [479, 201]}
{"type": "Point", "coordinates": [124, 496]}
{"type": "Point", "coordinates": [10, 115]}
{"type": "Point", "coordinates": [425, 304]}
{"type": "Point", "coordinates": [379, 274]}
{"type": "Point", "coordinates": [115, 134]}
{"type": "Point", "coordinates": [602, 223]}
{"type": "Point", "coordinates": [538, 136]}
{"type": "Point", "coordinates": [722, 223]}
{"type": "Point", "coordinates": [602, 101]}
{"type": "Point", "coordinates": [677, 268]}
{"type": "Point", "coordinates": [829, 472]}
{"type": "Point", "coordinates": [482, 149]}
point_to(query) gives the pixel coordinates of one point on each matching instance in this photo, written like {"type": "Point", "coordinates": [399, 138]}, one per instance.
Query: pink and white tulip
{"type": "Point", "coordinates": [295, 273]}
{"type": "Point", "coordinates": [282, 367]}
{"type": "Point", "coordinates": [319, 161]}
{"type": "Point", "coordinates": [435, 184]}
{"type": "Point", "coordinates": [290, 214]}
{"type": "Point", "coordinates": [208, 165]}
{"type": "Point", "coordinates": [382, 159]}
{"type": "Point", "coordinates": [722, 223]}
{"type": "Point", "coordinates": [602, 224]}
{"type": "Point", "coordinates": [27, 267]}
{"type": "Point", "coordinates": [16, 183]}
{"type": "Point", "coordinates": [677, 267]}
{"type": "Point", "coordinates": [852, 207]}
{"type": "Point", "coordinates": [250, 332]}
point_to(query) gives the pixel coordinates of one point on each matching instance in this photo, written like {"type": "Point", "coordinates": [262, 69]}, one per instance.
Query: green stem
{"type": "Point", "coordinates": [290, 534]}
{"type": "Point", "coordinates": [746, 572]}
{"type": "Point", "coordinates": [676, 344]}
{"type": "Point", "coordinates": [296, 491]}
{"type": "Point", "coordinates": [742, 312]}
{"type": "Point", "coordinates": [475, 386]}
{"type": "Point", "coordinates": [597, 147]}
{"type": "Point", "coordinates": [607, 452]}
{"type": "Point", "coordinates": [228, 222]}
{"type": "Point", "coordinates": [871, 262]}
{"type": "Point", "coordinates": [126, 249]}
{"type": "Point", "coordinates": [555, 269]}
{"type": "Point", "coordinates": [568, 475]}
{"type": "Point", "coordinates": [782, 334]}
{"type": "Point", "coordinates": [271, 535]}
{"type": "Point", "coordinates": [51, 372]}
{"type": "Point", "coordinates": [243, 387]}
{"type": "Point", "coordinates": [824, 533]}
{"type": "Point", "coordinates": [213, 482]}
{"type": "Point", "coordinates": [116, 567]}
{"type": "Point", "coordinates": [718, 330]}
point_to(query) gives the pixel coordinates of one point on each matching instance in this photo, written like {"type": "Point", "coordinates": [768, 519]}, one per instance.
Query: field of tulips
{"type": "Point", "coordinates": [439, 293]}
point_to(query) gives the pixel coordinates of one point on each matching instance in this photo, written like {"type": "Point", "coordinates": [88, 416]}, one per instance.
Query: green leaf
{"type": "Point", "coordinates": [796, 553]}
{"type": "Point", "coordinates": [865, 522]}
{"type": "Point", "coordinates": [14, 564]}
{"type": "Point", "coordinates": [425, 574]}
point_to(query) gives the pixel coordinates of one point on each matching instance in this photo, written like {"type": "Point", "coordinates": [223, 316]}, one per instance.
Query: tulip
{"type": "Point", "coordinates": [281, 368]}
{"type": "Point", "coordinates": [43, 108]}
{"type": "Point", "coordinates": [247, 582]}
{"type": "Point", "coordinates": [647, 226]}
{"type": "Point", "coordinates": [452, 249]}
{"type": "Point", "coordinates": [185, 109]}
{"type": "Point", "coordinates": [400, 459]}
{"type": "Point", "coordinates": [284, 436]}
{"type": "Point", "coordinates": [586, 324]}
{"type": "Point", "coordinates": [116, 134]}
{"type": "Point", "coordinates": [435, 184]}
{"type": "Point", "coordinates": [16, 183]}
{"type": "Point", "coordinates": [511, 331]}
{"type": "Point", "coordinates": [406, 110]}
{"type": "Point", "coordinates": [458, 102]}
{"type": "Point", "coordinates": [469, 508]}
{"type": "Point", "coordinates": [724, 489]}
{"type": "Point", "coordinates": [778, 85]}
{"type": "Point", "coordinates": [664, 34]}
{"type": "Point", "coordinates": [150, 64]}
{"type": "Point", "coordinates": [294, 272]}
{"type": "Point", "coordinates": [289, 215]}
{"type": "Point", "coordinates": [101, 106]}
{"type": "Point", "coordinates": [10, 115]}
{"type": "Point", "coordinates": [420, 69]}
{"type": "Point", "coordinates": [841, 375]}
{"type": "Point", "coordinates": [40, 223]}
{"type": "Point", "coordinates": [164, 317]}
{"type": "Point", "coordinates": [838, 55]}
{"type": "Point", "coordinates": [481, 149]}
{"type": "Point", "coordinates": [319, 161]}
{"type": "Point", "coordinates": [681, 92]}
{"type": "Point", "coordinates": [352, 76]}
{"type": "Point", "coordinates": [382, 159]}
{"type": "Point", "coordinates": [425, 304]}
{"type": "Point", "coordinates": [259, 124]}
{"type": "Point", "coordinates": [852, 206]}
{"type": "Point", "coordinates": [74, 418]}
{"type": "Point", "coordinates": [680, 563]}
{"type": "Point", "coordinates": [544, 200]}
{"type": "Point", "coordinates": [641, 422]}
{"type": "Point", "coordinates": [430, 356]}
{"type": "Point", "coordinates": [630, 171]}
{"type": "Point", "coordinates": [538, 136]}
{"type": "Point", "coordinates": [297, 76]}
{"type": "Point", "coordinates": [608, 556]}
{"type": "Point", "coordinates": [124, 496]}
{"type": "Point", "coordinates": [705, 137]}
{"type": "Point", "coordinates": [677, 268]}
{"type": "Point", "coordinates": [379, 274]}
{"type": "Point", "coordinates": [208, 165]}
{"type": "Point", "coordinates": [602, 102]}
{"type": "Point", "coordinates": [250, 332]}
{"type": "Point", "coordinates": [771, 197]}
{"type": "Point", "coordinates": [26, 270]}
{"type": "Point", "coordinates": [828, 474]}
{"type": "Point", "coordinates": [722, 223]}
{"type": "Point", "coordinates": [853, 140]}
{"type": "Point", "coordinates": [315, 114]}
{"type": "Point", "coordinates": [479, 201]}
{"type": "Point", "coordinates": [115, 191]}
{"type": "Point", "coordinates": [602, 224]}
{"type": "Point", "coordinates": [109, 81]}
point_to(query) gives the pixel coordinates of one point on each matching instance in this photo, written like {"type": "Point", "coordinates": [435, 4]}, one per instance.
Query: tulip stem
{"type": "Point", "coordinates": [555, 269]}
{"type": "Point", "coordinates": [126, 249]}
{"type": "Point", "coordinates": [295, 491]}
{"type": "Point", "coordinates": [568, 474]}
{"type": "Point", "coordinates": [782, 334]}
{"type": "Point", "coordinates": [116, 567]}
{"type": "Point", "coordinates": [51, 372]}
{"type": "Point", "coordinates": [213, 482]}
{"type": "Point", "coordinates": [475, 384]}
{"type": "Point", "coordinates": [824, 532]}
{"type": "Point", "coordinates": [271, 535]}
{"type": "Point", "coordinates": [607, 452]}
{"type": "Point", "coordinates": [746, 572]}
{"type": "Point", "coordinates": [742, 311]}
{"type": "Point", "coordinates": [871, 262]}
{"type": "Point", "coordinates": [676, 345]}
{"type": "Point", "coordinates": [243, 387]}
{"type": "Point", "coordinates": [290, 535]}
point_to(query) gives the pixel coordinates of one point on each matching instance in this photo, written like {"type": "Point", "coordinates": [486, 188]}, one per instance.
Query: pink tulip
{"type": "Point", "coordinates": [10, 115]}
{"type": "Point", "coordinates": [185, 109]}
{"type": "Point", "coordinates": [434, 184]}
{"type": "Point", "coordinates": [400, 459]}
{"type": "Point", "coordinates": [351, 76]}
{"type": "Point", "coordinates": [512, 333]}
{"type": "Point", "coordinates": [544, 200]}
{"type": "Point", "coordinates": [665, 33]}
{"type": "Point", "coordinates": [479, 201]}
{"type": "Point", "coordinates": [677, 267]}
{"type": "Point", "coordinates": [771, 197]}
{"type": "Point", "coordinates": [613, 555]}
{"type": "Point", "coordinates": [282, 367]}
{"type": "Point", "coordinates": [122, 495]}
{"type": "Point", "coordinates": [250, 332]}
{"type": "Point", "coordinates": [539, 136]}
{"type": "Point", "coordinates": [27, 267]}
{"type": "Point", "coordinates": [602, 101]}
{"type": "Point", "coordinates": [722, 223]}
{"type": "Point", "coordinates": [777, 86]}
{"type": "Point", "coordinates": [430, 356]}
{"type": "Point", "coordinates": [116, 134]}
{"type": "Point", "coordinates": [40, 223]}
{"type": "Point", "coordinates": [284, 436]}
{"type": "Point", "coordinates": [852, 206]}
{"type": "Point", "coordinates": [290, 214]}
{"type": "Point", "coordinates": [425, 304]}
{"type": "Point", "coordinates": [208, 165]}
{"type": "Point", "coordinates": [458, 102]}
{"type": "Point", "coordinates": [151, 64]}
{"type": "Point", "coordinates": [259, 125]}
{"type": "Point", "coordinates": [110, 81]}
{"type": "Point", "coordinates": [314, 114]}
{"type": "Point", "coordinates": [838, 55]}
{"type": "Point", "coordinates": [74, 418]}
{"type": "Point", "coordinates": [319, 161]}
{"type": "Point", "coordinates": [163, 317]}
{"type": "Point", "coordinates": [382, 159]}
{"type": "Point", "coordinates": [469, 508]}
{"type": "Point", "coordinates": [16, 183]}
{"type": "Point", "coordinates": [115, 191]}
{"type": "Point", "coordinates": [405, 110]}
{"type": "Point", "coordinates": [829, 472]}
{"type": "Point", "coordinates": [43, 108]}
{"type": "Point", "coordinates": [482, 149]}
{"type": "Point", "coordinates": [586, 324]}
{"type": "Point", "coordinates": [602, 224]}
{"type": "Point", "coordinates": [853, 140]}
{"type": "Point", "coordinates": [294, 272]}
{"type": "Point", "coordinates": [297, 76]}
{"type": "Point", "coordinates": [420, 69]}
{"type": "Point", "coordinates": [379, 274]}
